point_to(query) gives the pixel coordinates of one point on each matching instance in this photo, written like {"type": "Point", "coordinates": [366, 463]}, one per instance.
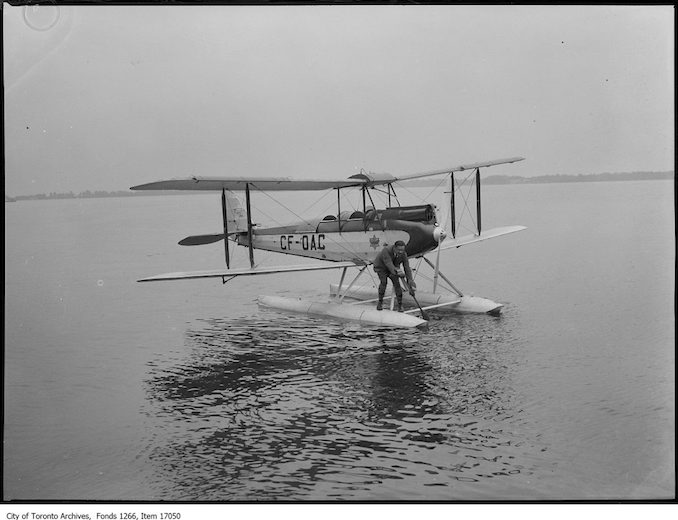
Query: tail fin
{"type": "Point", "coordinates": [236, 222]}
{"type": "Point", "coordinates": [236, 215]}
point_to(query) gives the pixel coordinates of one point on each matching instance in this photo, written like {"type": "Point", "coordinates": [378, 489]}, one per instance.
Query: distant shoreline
{"type": "Point", "coordinates": [551, 179]}
{"type": "Point", "coordinates": [490, 180]}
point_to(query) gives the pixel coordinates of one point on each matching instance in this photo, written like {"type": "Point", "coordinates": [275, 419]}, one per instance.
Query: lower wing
{"type": "Point", "coordinates": [224, 273]}
{"type": "Point", "coordinates": [470, 239]}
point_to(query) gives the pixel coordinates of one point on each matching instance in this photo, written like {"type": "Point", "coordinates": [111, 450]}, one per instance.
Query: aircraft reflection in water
{"type": "Point", "coordinates": [285, 412]}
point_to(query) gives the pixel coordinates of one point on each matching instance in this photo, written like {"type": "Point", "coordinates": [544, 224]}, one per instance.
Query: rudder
{"type": "Point", "coordinates": [236, 215]}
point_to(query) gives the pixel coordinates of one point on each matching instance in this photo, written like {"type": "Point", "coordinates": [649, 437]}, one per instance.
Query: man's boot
{"type": "Point", "coordinates": [380, 305]}
{"type": "Point", "coordinates": [400, 303]}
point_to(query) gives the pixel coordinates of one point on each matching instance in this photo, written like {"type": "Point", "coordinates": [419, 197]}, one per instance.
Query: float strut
{"type": "Point", "coordinates": [443, 277]}
{"type": "Point", "coordinates": [351, 284]}
{"type": "Point", "coordinates": [341, 281]}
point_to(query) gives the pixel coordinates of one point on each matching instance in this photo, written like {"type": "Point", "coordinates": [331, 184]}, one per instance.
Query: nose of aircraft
{"type": "Point", "coordinates": [439, 234]}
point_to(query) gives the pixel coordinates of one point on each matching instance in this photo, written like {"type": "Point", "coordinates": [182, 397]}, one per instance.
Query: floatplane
{"type": "Point", "coordinates": [350, 239]}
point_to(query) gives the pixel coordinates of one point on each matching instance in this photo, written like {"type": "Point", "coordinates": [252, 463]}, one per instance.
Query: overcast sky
{"type": "Point", "coordinates": [102, 98]}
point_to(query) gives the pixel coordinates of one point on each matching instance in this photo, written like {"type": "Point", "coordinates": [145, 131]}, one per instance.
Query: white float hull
{"type": "Point", "coordinates": [461, 304]}
{"type": "Point", "coordinates": [358, 313]}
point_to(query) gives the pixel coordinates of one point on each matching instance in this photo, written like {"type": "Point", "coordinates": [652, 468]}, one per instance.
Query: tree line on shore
{"type": "Point", "coordinates": [492, 179]}
{"type": "Point", "coordinates": [91, 195]}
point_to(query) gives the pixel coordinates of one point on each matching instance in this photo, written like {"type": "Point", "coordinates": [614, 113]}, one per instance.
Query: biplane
{"type": "Point", "coordinates": [350, 239]}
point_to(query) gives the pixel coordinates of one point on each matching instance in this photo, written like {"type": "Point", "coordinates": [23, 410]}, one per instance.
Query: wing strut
{"type": "Point", "coordinates": [364, 209]}
{"type": "Point", "coordinates": [249, 224]}
{"type": "Point", "coordinates": [225, 219]}
{"type": "Point", "coordinates": [374, 206]}
{"type": "Point", "coordinates": [339, 208]}
{"type": "Point", "coordinates": [478, 198]}
{"type": "Point", "coordinates": [453, 223]}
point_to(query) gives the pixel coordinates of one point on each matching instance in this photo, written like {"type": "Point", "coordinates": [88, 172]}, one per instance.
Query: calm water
{"type": "Point", "coordinates": [116, 390]}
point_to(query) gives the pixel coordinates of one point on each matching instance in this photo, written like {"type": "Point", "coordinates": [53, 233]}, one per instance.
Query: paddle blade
{"type": "Point", "coordinates": [199, 240]}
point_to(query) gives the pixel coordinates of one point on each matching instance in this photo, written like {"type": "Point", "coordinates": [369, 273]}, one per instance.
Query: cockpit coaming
{"type": "Point", "coordinates": [376, 219]}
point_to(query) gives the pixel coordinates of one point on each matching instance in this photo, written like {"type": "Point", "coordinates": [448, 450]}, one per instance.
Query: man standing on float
{"type": "Point", "coordinates": [386, 266]}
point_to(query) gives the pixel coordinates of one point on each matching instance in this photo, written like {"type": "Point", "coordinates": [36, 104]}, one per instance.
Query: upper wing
{"type": "Point", "coordinates": [460, 168]}
{"type": "Point", "coordinates": [239, 183]}
{"type": "Point", "coordinates": [470, 239]}
{"type": "Point", "coordinates": [220, 273]}
{"type": "Point", "coordinates": [287, 184]}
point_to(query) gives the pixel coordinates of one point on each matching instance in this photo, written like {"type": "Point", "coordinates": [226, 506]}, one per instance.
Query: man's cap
{"type": "Point", "coordinates": [399, 243]}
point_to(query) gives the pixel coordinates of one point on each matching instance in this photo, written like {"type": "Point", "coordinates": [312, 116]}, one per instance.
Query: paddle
{"type": "Point", "coordinates": [409, 289]}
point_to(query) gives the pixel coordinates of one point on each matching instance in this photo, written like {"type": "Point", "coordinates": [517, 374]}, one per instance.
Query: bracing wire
{"type": "Point", "coordinates": [465, 198]}
{"type": "Point", "coordinates": [317, 201]}
{"type": "Point", "coordinates": [343, 246]}
{"type": "Point", "coordinates": [428, 195]}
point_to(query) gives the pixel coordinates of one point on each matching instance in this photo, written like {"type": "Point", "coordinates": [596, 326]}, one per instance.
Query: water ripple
{"type": "Point", "coordinates": [277, 408]}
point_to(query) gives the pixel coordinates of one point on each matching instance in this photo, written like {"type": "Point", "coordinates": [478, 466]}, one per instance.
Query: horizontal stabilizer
{"type": "Point", "coordinates": [226, 273]}
{"type": "Point", "coordinates": [470, 239]}
{"type": "Point", "coordinates": [199, 240]}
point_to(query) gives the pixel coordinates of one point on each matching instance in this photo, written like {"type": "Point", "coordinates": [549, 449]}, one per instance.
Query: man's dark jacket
{"type": "Point", "coordinates": [388, 261]}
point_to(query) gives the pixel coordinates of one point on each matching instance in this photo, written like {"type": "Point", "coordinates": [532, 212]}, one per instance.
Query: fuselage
{"type": "Point", "coordinates": [353, 236]}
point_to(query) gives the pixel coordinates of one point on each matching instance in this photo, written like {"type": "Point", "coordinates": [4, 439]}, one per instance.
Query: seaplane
{"type": "Point", "coordinates": [351, 239]}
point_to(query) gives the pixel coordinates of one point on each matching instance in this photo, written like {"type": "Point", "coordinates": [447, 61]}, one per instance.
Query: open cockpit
{"type": "Point", "coordinates": [376, 219]}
